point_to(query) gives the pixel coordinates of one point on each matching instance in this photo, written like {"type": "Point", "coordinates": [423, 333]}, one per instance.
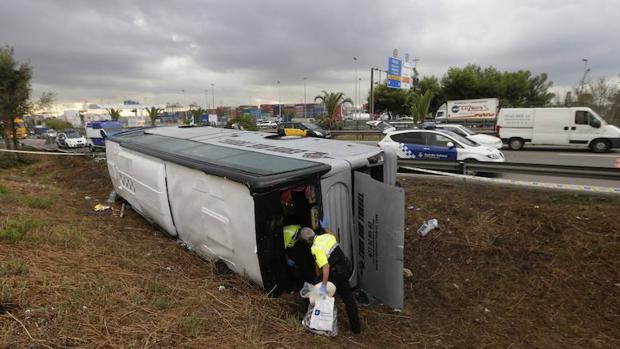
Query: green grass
{"type": "Point", "coordinates": [40, 202]}
{"type": "Point", "coordinates": [191, 324]}
{"type": "Point", "coordinates": [3, 190]}
{"type": "Point", "coordinates": [15, 229]}
{"type": "Point", "coordinates": [13, 267]}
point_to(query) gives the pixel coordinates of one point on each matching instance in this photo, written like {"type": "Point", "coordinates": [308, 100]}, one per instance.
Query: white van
{"type": "Point", "coordinates": [227, 194]}
{"type": "Point", "coordinates": [575, 127]}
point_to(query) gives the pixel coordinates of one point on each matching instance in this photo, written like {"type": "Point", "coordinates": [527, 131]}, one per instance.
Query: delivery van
{"type": "Point", "coordinates": [568, 127]}
{"type": "Point", "coordinates": [227, 194]}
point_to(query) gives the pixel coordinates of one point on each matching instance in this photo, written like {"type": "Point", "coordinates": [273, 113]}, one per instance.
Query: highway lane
{"type": "Point", "coordinates": [562, 156]}
{"type": "Point", "coordinates": [555, 156]}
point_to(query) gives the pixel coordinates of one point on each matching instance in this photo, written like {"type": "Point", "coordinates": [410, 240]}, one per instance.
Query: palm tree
{"type": "Point", "coordinates": [420, 105]}
{"type": "Point", "coordinates": [153, 113]}
{"type": "Point", "coordinates": [331, 101]}
{"type": "Point", "coordinates": [114, 113]}
{"type": "Point", "coordinates": [196, 114]}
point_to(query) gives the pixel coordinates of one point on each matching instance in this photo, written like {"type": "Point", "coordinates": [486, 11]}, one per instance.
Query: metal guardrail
{"type": "Point", "coordinates": [520, 168]}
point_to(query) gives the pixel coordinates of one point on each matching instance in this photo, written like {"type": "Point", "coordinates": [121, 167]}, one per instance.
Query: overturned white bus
{"type": "Point", "coordinates": [227, 194]}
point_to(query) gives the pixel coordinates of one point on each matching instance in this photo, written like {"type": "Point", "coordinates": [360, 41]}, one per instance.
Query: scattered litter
{"type": "Point", "coordinates": [411, 207]}
{"type": "Point", "coordinates": [87, 197]}
{"type": "Point", "coordinates": [168, 269]}
{"type": "Point", "coordinates": [84, 307]}
{"type": "Point", "coordinates": [536, 206]}
{"type": "Point", "coordinates": [100, 207]}
{"type": "Point", "coordinates": [407, 273]}
{"type": "Point", "coordinates": [427, 227]}
{"type": "Point", "coordinates": [112, 197]}
{"type": "Point", "coordinates": [122, 210]}
{"type": "Point", "coordinates": [486, 310]}
{"type": "Point", "coordinates": [397, 310]}
{"type": "Point", "coordinates": [617, 285]}
{"type": "Point", "coordinates": [457, 286]}
{"type": "Point", "coordinates": [221, 288]}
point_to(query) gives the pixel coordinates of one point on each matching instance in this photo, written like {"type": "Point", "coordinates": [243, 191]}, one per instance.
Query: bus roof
{"type": "Point", "coordinates": [261, 160]}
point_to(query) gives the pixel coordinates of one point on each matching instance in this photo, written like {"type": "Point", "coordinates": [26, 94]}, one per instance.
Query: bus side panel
{"type": "Point", "coordinates": [338, 209]}
{"type": "Point", "coordinates": [141, 180]}
{"type": "Point", "coordinates": [215, 217]}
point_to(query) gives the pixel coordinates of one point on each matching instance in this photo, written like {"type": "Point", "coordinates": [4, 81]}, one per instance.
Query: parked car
{"type": "Point", "coordinates": [438, 145]}
{"type": "Point", "coordinates": [568, 127]}
{"type": "Point", "coordinates": [70, 138]}
{"type": "Point", "coordinates": [304, 129]}
{"type": "Point", "coordinates": [267, 124]}
{"type": "Point", "coordinates": [50, 133]}
{"type": "Point", "coordinates": [463, 131]}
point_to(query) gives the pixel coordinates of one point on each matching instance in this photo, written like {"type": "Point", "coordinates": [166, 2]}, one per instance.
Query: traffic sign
{"type": "Point", "coordinates": [394, 70]}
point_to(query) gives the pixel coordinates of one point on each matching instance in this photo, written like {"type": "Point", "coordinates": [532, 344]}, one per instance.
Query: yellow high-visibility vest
{"type": "Point", "coordinates": [291, 233]}
{"type": "Point", "coordinates": [322, 248]}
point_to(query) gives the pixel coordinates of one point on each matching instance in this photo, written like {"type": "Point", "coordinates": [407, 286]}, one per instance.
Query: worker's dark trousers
{"type": "Point", "coordinates": [339, 274]}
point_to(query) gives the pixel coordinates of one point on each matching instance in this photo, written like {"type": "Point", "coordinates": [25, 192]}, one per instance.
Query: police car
{"type": "Point", "coordinates": [434, 144]}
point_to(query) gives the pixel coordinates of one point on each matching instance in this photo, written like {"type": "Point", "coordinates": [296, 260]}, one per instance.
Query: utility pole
{"type": "Point", "coordinates": [586, 70]}
{"type": "Point", "coordinates": [279, 106]}
{"type": "Point", "coordinates": [371, 104]}
{"type": "Point", "coordinates": [213, 95]}
{"type": "Point", "coordinates": [305, 115]}
{"type": "Point", "coordinates": [355, 98]}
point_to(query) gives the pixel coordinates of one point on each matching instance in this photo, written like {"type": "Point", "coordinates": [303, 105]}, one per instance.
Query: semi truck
{"type": "Point", "coordinates": [473, 112]}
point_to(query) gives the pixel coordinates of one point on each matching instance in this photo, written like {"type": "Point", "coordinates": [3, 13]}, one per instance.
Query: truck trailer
{"type": "Point", "coordinates": [227, 195]}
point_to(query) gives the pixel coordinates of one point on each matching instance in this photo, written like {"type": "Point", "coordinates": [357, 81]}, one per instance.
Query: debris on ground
{"type": "Point", "coordinates": [100, 208]}
{"type": "Point", "coordinates": [428, 226]}
{"type": "Point", "coordinates": [112, 197]}
{"type": "Point", "coordinates": [407, 273]}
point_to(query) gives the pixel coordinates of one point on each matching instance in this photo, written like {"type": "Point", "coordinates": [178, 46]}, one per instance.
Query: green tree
{"type": "Point", "coordinates": [332, 101]}
{"type": "Point", "coordinates": [153, 113]}
{"type": "Point", "coordinates": [420, 105]}
{"type": "Point", "coordinates": [57, 124]}
{"type": "Point", "coordinates": [431, 83]}
{"type": "Point", "coordinates": [393, 101]}
{"type": "Point", "coordinates": [196, 114]}
{"type": "Point", "coordinates": [514, 89]}
{"type": "Point", "coordinates": [115, 114]}
{"type": "Point", "coordinates": [245, 122]}
{"type": "Point", "coordinates": [14, 93]}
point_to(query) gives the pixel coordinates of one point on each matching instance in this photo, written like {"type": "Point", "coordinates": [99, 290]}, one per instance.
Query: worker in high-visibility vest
{"type": "Point", "coordinates": [298, 259]}
{"type": "Point", "coordinates": [335, 267]}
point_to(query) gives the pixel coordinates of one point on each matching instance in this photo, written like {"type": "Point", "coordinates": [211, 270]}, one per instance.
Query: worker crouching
{"type": "Point", "coordinates": [334, 266]}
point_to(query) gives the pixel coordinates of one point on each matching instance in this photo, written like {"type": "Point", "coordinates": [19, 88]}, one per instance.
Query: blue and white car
{"type": "Point", "coordinates": [436, 144]}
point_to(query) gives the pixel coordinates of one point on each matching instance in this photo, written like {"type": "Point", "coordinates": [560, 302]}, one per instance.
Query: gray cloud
{"type": "Point", "coordinates": [108, 50]}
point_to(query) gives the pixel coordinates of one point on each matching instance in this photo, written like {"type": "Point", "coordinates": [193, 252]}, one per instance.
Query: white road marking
{"type": "Point", "coordinates": [594, 155]}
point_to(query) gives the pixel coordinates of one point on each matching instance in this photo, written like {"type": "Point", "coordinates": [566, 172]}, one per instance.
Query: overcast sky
{"type": "Point", "coordinates": [104, 51]}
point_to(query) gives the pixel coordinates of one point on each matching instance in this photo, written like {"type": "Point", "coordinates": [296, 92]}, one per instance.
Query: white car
{"type": "Point", "coordinates": [441, 145]}
{"type": "Point", "coordinates": [71, 139]}
{"type": "Point", "coordinates": [479, 138]}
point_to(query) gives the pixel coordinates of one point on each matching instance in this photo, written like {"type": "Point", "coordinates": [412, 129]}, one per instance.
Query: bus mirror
{"type": "Point", "coordinates": [450, 145]}
{"type": "Point", "coordinates": [104, 134]}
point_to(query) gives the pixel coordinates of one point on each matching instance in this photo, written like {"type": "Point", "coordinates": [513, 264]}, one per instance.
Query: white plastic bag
{"type": "Point", "coordinates": [332, 330]}
{"type": "Point", "coordinates": [322, 317]}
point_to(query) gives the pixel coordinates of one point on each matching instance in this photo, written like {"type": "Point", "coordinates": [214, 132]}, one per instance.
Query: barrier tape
{"type": "Point", "coordinates": [574, 187]}
{"type": "Point", "coordinates": [40, 152]}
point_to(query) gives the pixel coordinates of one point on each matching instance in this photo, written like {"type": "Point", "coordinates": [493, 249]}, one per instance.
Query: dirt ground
{"type": "Point", "coordinates": [507, 268]}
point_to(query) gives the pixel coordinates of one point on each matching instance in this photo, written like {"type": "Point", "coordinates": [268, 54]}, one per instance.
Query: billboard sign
{"type": "Point", "coordinates": [405, 80]}
{"type": "Point", "coordinates": [394, 70]}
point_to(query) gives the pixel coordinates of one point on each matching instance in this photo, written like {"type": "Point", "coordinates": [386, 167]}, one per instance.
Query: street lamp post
{"type": "Point", "coordinates": [213, 95]}
{"type": "Point", "coordinates": [305, 116]}
{"type": "Point", "coordinates": [355, 97]}
{"type": "Point", "coordinates": [279, 106]}
{"type": "Point", "coordinates": [207, 99]}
